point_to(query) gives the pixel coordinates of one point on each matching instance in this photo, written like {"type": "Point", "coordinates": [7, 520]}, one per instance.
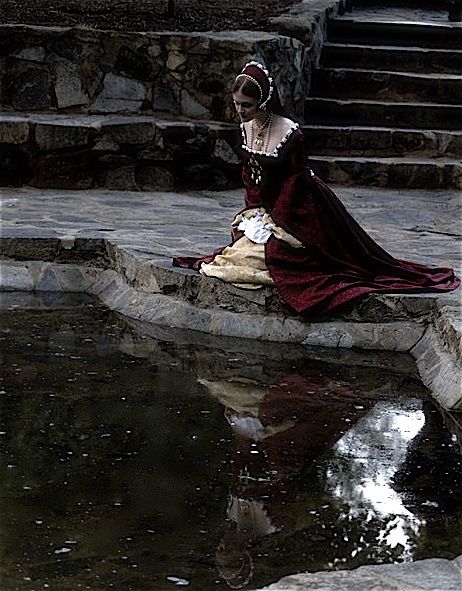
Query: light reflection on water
{"type": "Point", "coordinates": [365, 460]}
{"type": "Point", "coordinates": [142, 464]}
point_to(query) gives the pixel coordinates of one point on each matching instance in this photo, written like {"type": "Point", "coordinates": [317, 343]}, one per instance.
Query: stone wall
{"type": "Point", "coordinates": [83, 108]}
{"type": "Point", "coordinates": [117, 152]}
{"type": "Point", "coordinates": [74, 70]}
{"type": "Point", "coordinates": [187, 74]}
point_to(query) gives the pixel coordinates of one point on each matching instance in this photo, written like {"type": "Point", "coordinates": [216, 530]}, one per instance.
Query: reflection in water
{"type": "Point", "coordinates": [364, 462]}
{"type": "Point", "coordinates": [242, 399]}
{"type": "Point", "coordinates": [280, 432]}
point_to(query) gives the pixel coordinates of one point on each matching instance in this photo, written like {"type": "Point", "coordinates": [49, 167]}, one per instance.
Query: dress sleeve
{"type": "Point", "coordinates": [289, 208]}
{"type": "Point", "coordinates": [294, 158]}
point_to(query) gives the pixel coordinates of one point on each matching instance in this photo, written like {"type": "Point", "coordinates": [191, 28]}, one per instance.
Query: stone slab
{"type": "Point", "coordinates": [408, 115]}
{"type": "Point", "coordinates": [423, 575]}
{"type": "Point", "coordinates": [421, 86]}
{"type": "Point", "coordinates": [366, 27]}
{"type": "Point", "coordinates": [396, 59]}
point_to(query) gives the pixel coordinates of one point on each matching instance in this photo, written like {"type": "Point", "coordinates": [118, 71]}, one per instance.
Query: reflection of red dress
{"type": "Point", "coordinates": [339, 261]}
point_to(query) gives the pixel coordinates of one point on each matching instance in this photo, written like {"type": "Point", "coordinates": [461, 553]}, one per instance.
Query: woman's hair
{"type": "Point", "coordinates": [250, 88]}
{"type": "Point", "coordinates": [247, 87]}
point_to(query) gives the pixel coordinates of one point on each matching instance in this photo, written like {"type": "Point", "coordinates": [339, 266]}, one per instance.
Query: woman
{"type": "Point", "coordinates": [293, 231]}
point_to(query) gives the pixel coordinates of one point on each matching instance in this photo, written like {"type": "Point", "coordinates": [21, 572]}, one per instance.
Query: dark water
{"type": "Point", "coordinates": [134, 463]}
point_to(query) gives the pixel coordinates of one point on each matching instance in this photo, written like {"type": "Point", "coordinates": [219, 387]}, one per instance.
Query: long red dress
{"type": "Point", "coordinates": [339, 261]}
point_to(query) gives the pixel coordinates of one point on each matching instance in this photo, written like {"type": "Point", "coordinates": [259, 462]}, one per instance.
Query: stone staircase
{"type": "Point", "coordinates": [385, 107]}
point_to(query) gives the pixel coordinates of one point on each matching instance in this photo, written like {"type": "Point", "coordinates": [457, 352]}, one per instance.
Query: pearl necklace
{"type": "Point", "coordinates": [263, 134]}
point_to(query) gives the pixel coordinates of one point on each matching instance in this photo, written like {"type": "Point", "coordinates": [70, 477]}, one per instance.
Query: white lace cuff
{"type": "Point", "coordinates": [256, 228]}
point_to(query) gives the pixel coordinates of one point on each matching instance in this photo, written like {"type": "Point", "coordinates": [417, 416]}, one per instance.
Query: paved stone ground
{"type": "Point", "coordinates": [417, 225]}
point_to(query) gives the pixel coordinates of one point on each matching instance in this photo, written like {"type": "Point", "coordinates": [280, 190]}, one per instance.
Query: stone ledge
{"type": "Point", "coordinates": [307, 21]}
{"type": "Point", "coordinates": [375, 31]}
{"type": "Point", "coordinates": [148, 274]}
{"type": "Point", "coordinates": [355, 83]}
{"type": "Point", "coordinates": [439, 369]}
{"type": "Point", "coordinates": [373, 113]}
{"type": "Point", "coordinates": [162, 153]}
{"type": "Point", "coordinates": [351, 140]}
{"type": "Point", "coordinates": [166, 310]}
{"type": "Point", "coordinates": [117, 152]}
{"type": "Point", "coordinates": [433, 574]}
{"type": "Point", "coordinates": [436, 361]}
{"type": "Point", "coordinates": [380, 57]}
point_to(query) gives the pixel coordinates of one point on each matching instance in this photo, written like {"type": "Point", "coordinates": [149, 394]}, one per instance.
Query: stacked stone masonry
{"type": "Point", "coordinates": [184, 74]}
{"type": "Point", "coordinates": [63, 87]}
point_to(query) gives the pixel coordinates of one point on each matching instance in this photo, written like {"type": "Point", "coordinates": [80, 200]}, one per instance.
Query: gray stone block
{"type": "Point", "coordinates": [31, 54]}
{"type": "Point", "coordinates": [391, 336]}
{"type": "Point", "coordinates": [190, 107]}
{"type": "Point", "coordinates": [72, 278]}
{"type": "Point", "coordinates": [439, 370]}
{"type": "Point", "coordinates": [68, 84]}
{"type": "Point", "coordinates": [165, 98]}
{"type": "Point", "coordinates": [70, 171]}
{"type": "Point", "coordinates": [30, 89]}
{"type": "Point", "coordinates": [52, 137]}
{"type": "Point", "coordinates": [135, 63]}
{"type": "Point", "coordinates": [121, 178]}
{"type": "Point", "coordinates": [132, 132]}
{"type": "Point", "coordinates": [154, 178]}
{"type": "Point", "coordinates": [15, 277]}
{"type": "Point", "coordinates": [120, 94]}
{"type": "Point", "coordinates": [223, 151]}
{"type": "Point", "coordinates": [48, 281]}
{"type": "Point", "coordinates": [13, 132]}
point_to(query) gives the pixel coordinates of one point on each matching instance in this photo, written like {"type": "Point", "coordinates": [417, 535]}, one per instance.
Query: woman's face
{"type": "Point", "coordinates": [246, 106]}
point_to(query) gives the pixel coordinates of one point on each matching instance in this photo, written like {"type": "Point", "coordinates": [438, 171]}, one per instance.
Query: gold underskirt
{"type": "Point", "coordinates": [242, 264]}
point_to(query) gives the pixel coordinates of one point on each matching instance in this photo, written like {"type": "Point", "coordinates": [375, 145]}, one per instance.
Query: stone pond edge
{"type": "Point", "coordinates": [432, 340]}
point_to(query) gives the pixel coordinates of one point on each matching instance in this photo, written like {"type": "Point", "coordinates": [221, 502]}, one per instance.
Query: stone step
{"type": "Point", "coordinates": [421, 4]}
{"type": "Point", "coordinates": [394, 32]}
{"type": "Point", "coordinates": [117, 152]}
{"type": "Point", "coordinates": [381, 141]}
{"type": "Point", "coordinates": [413, 4]}
{"type": "Point", "coordinates": [392, 59]}
{"type": "Point", "coordinates": [388, 86]}
{"type": "Point", "coordinates": [324, 111]}
{"type": "Point", "coordinates": [411, 173]}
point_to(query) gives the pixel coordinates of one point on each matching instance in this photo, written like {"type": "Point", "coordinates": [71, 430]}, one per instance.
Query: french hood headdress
{"type": "Point", "coordinates": [259, 75]}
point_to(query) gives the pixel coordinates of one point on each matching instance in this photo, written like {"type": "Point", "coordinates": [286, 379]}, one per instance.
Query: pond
{"type": "Point", "coordinates": [150, 462]}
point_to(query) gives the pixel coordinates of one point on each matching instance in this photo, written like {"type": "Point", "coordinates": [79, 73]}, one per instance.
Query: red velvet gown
{"type": "Point", "coordinates": [340, 261]}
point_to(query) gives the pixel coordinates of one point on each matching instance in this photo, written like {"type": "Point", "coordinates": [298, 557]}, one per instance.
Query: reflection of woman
{"type": "Point", "coordinates": [279, 433]}
{"type": "Point", "coordinates": [293, 231]}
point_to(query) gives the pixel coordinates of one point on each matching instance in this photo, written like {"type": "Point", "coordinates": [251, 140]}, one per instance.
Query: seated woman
{"type": "Point", "coordinates": [293, 232]}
